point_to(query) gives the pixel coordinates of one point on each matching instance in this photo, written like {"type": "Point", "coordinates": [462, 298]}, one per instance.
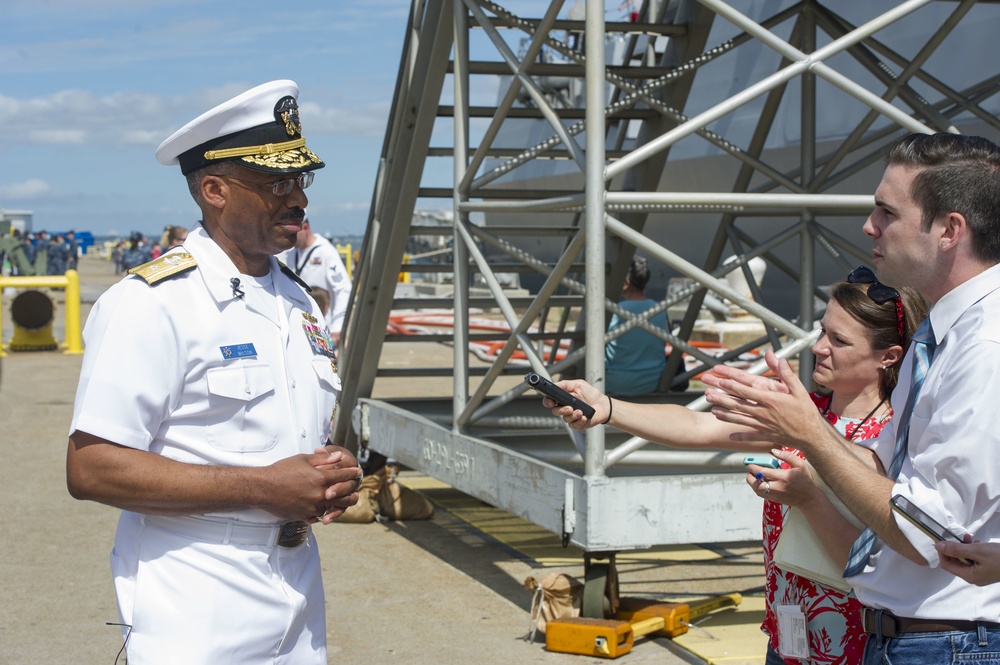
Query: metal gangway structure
{"type": "Point", "coordinates": [755, 128]}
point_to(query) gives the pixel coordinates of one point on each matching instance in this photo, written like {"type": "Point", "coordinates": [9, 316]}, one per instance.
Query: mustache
{"type": "Point", "coordinates": [297, 214]}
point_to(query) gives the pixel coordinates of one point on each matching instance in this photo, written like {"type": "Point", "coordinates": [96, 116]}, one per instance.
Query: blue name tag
{"type": "Point", "coordinates": [238, 351]}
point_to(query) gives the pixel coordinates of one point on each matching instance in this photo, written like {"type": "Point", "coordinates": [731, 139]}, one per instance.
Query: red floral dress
{"type": "Point", "coordinates": [833, 618]}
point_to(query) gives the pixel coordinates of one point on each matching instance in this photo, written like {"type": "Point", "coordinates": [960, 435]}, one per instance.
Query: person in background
{"type": "Point", "coordinates": [4, 261]}
{"type": "Point", "coordinates": [204, 406]}
{"type": "Point", "coordinates": [15, 254]}
{"type": "Point", "coordinates": [72, 250]}
{"type": "Point", "coordinates": [634, 362]}
{"type": "Point", "coordinates": [322, 298]}
{"type": "Point", "coordinates": [29, 247]}
{"type": "Point", "coordinates": [173, 236]}
{"type": "Point", "coordinates": [57, 256]}
{"type": "Point", "coordinates": [866, 328]}
{"type": "Point", "coordinates": [118, 257]}
{"type": "Point", "coordinates": [40, 253]}
{"type": "Point", "coordinates": [135, 253]}
{"type": "Point", "coordinates": [317, 261]}
{"type": "Point", "coordinates": [936, 227]}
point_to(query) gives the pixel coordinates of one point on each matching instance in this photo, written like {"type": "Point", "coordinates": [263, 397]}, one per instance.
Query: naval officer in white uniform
{"type": "Point", "coordinates": [204, 408]}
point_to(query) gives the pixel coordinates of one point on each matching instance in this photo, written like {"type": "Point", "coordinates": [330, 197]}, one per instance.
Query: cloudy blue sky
{"type": "Point", "coordinates": [89, 88]}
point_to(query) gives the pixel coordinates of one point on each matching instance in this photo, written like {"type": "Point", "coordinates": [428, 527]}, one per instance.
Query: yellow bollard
{"type": "Point", "coordinates": [71, 283]}
{"type": "Point", "coordinates": [404, 275]}
{"type": "Point", "coordinates": [74, 335]}
{"type": "Point", "coordinates": [348, 258]}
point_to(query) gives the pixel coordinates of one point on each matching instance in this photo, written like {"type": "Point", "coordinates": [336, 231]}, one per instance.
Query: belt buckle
{"type": "Point", "coordinates": [878, 622]}
{"type": "Point", "coordinates": [292, 534]}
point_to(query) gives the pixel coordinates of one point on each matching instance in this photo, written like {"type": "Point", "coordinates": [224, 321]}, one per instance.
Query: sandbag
{"type": "Point", "coordinates": [558, 596]}
{"type": "Point", "coordinates": [366, 509]}
{"type": "Point", "coordinates": [380, 497]}
{"type": "Point", "coordinates": [396, 502]}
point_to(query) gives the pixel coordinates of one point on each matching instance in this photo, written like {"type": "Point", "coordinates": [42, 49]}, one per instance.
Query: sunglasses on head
{"type": "Point", "coordinates": [880, 293]}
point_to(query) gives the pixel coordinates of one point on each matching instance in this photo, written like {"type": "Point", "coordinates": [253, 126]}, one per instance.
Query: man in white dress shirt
{"type": "Point", "coordinates": [936, 227]}
{"type": "Point", "coordinates": [204, 406]}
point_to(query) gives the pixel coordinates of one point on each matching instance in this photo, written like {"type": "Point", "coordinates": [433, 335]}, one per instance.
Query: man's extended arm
{"type": "Point", "coordinates": [792, 420]}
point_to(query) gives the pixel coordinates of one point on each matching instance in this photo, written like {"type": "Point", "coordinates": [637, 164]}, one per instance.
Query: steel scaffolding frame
{"type": "Point", "coordinates": [486, 441]}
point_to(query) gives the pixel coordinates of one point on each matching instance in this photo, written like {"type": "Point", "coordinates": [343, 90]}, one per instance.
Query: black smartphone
{"type": "Point", "coordinates": [923, 521]}
{"type": "Point", "coordinates": [557, 394]}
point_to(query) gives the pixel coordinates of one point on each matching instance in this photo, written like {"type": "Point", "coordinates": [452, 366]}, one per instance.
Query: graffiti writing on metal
{"type": "Point", "coordinates": [438, 454]}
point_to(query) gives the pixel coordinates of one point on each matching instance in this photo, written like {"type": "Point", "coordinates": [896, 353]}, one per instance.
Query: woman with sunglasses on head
{"type": "Point", "coordinates": [865, 332]}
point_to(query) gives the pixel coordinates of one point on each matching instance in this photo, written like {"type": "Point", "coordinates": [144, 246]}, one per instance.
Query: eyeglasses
{"type": "Point", "coordinates": [284, 187]}
{"type": "Point", "coordinates": [880, 293]}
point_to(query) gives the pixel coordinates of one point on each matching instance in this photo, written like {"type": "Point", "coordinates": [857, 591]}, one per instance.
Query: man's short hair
{"type": "Point", "coordinates": [957, 173]}
{"type": "Point", "coordinates": [638, 273]}
{"type": "Point", "coordinates": [220, 169]}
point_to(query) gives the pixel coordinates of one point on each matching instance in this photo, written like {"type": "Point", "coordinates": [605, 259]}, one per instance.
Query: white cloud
{"type": "Point", "coordinates": [75, 117]}
{"type": "Point", "coordinates": [142, 137]}
{"type": "Point", "coordinates": [368, 121]}
{"type": "Point", "coordinates": [352, 206]}
{"type": "Point", "coordinates": [57, 136]}
{"type": "Point", "coordinates": [108, 5]}
{"type": "Point", "coordinates": [27, 190]}
{"type": "Point", "coordinates": [80, 117]}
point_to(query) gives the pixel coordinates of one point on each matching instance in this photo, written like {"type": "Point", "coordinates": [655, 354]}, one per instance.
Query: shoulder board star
{"type": "Point", "coordinates": [166, 266]}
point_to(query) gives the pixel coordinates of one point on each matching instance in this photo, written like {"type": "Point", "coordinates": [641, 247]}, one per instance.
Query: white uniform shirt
{"type": "Point", "coordinates": [320, 265]}
{"type": "Point", "coordinates": [186, 369]}
{"type": "Point", "coordinates": [952, 470]}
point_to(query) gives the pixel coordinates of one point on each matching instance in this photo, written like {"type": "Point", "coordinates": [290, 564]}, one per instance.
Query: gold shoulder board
{"type": "Point", "coordinates": [166, 266]}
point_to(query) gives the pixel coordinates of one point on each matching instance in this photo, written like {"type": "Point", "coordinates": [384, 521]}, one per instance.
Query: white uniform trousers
{"type": "Point", "coordinates": [209, 603]}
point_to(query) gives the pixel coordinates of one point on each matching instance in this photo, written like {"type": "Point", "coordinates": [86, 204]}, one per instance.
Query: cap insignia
{"type": "Point", "coordinates": [287, 111]}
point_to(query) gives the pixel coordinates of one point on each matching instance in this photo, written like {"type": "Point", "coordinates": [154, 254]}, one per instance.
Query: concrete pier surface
{"type": "Point", "coordinates": [445, 590]}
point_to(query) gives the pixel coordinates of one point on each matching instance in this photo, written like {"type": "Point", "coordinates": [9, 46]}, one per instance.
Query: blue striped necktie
{"type": "Point", "coordinates": [923, 354]}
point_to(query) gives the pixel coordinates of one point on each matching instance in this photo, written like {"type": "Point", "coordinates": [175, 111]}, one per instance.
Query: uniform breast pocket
{"type": "Point", "coordinates": [243, 412]}
{"type": "Point", "coordinates": [328, 379]}
{"type": "Point", "coordinates": [325, 397]}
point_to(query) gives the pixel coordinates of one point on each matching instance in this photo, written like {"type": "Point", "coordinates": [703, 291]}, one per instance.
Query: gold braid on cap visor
{"type": "Point", "coordinates": [287, 155]}
{"type": "Point", "coordinates": [243, 151]}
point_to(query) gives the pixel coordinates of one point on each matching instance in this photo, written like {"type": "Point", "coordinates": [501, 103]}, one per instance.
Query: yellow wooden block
{"type": "Point", "coordinates": [676, 616]}
{"type": "Point", "coordinates": [603, 638]}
